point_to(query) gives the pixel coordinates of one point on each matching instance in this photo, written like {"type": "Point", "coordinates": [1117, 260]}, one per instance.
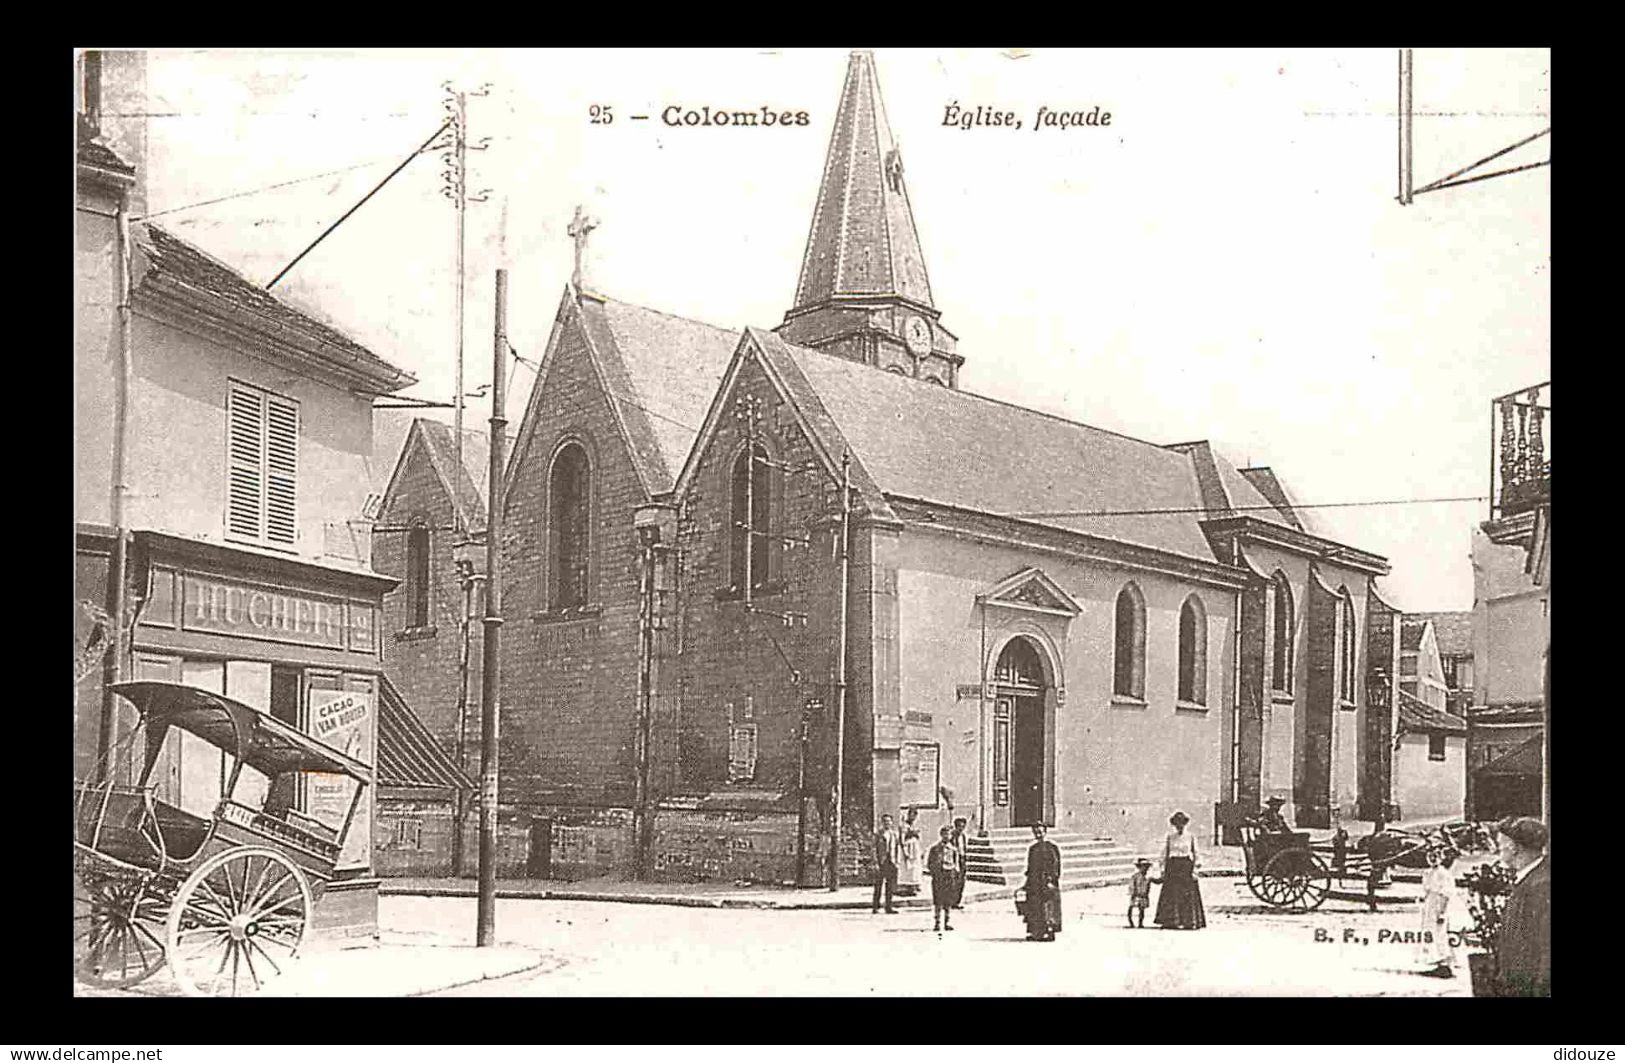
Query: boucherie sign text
{"type": "Point", "coordinates": [231, 607]}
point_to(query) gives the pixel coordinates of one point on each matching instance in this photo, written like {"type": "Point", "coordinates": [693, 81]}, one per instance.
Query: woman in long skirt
{"type": "Point", "coordinates": [910, 863]}
{"type": "Point", "coordinates": [1179, 905]}
{"type": "Point", "coordinates": [1043, 909]}
{"type": "Point", "coordinates": [1437, 887]}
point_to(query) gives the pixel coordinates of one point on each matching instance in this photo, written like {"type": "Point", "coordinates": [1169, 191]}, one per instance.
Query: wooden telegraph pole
{"type": "Point", "coordinates": [840, 678]}
{"type": "Point", "coordinates": [490, 701]}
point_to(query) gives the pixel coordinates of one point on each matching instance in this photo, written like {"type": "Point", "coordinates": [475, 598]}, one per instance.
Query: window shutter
{"type": "Point", "coordinates": [245, 470]}
{"type": "Point", "coordinates": [282, 471]}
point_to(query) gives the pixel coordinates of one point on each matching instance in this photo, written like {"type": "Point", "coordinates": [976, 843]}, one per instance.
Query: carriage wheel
{"type": "Point", "coordinates": [116, 922]}
{"type": "Point", "coordinates": [237, 922]}
{"type": "Point", "coordinates": [1301, 878]}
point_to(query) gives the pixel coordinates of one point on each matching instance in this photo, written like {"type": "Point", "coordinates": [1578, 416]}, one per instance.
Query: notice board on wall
{"type": "Point", "coordinates": [921, 774]}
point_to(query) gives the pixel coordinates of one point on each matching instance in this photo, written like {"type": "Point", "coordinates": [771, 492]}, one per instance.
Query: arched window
{"type": "Point", "coordinates": [934, 380]}
{"type": "Point", "coordinates": [1281, 636]}
{"type": "Point", "coordinates": [752, 504]}
{"type": "Point", "coordinates": [1193, 652]}
{"type": "Point", "coordinates": [569, 501]}
{"type": "Point", "coordinates": [899, 370]}
{"type": "Point", "coordinates": [1128, 673]}
{"type": "Point", "coordinates": [417, 576]}
{"type": "Point", "coordinates": [1350, 642]}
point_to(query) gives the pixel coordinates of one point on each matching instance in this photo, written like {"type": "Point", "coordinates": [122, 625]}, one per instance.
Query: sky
{"type": "Point", "coordinates": [1226, 260]}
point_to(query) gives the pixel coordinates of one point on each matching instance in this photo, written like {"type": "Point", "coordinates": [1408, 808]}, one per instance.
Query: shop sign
{"type": "Point", "coordinates": [210, 605]}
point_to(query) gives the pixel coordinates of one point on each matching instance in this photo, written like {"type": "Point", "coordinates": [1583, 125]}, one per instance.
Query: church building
{"type": "Point", "coordinates": [1027, 620]}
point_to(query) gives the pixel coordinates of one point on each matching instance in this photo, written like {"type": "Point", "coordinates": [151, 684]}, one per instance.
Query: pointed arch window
{"type": "Point", "coordinates": [1193, 652]}
{"type": "Point", "coordinates": [1281, 635]}
{"type": "Point", "coordinates": [569, 507]}
{"type": "Point", "coordinates": [1128, 671]}
{"type": "Point", "coordinates": [1350, 643]}
{"type": "Point", "coordinates": [751, 510]}
{"type": "Point", "coordinates": [417, 576]}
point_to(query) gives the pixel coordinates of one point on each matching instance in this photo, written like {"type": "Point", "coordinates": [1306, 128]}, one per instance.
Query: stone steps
{"type": "Point", "coordinates": [1000, 858]}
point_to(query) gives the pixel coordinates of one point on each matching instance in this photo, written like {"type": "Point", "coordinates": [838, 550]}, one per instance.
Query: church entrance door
{"type": "Point", "coordinates": [1027, 762]}
{"type": "Point", "coordinates": [1022, 743]}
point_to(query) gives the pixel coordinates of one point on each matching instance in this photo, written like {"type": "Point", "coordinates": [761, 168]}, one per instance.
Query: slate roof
{"type": "Point", "coordinates": [1411, 627]}
{"type": "Point", "coordinates": [1453, 631]}
{"type": "Point", "coordinates": [95, 153]}
{"type": "Point", "coordinates": [169, 256]}
{"type": "Point", "coordinates": [918, 440]}
{"type": "Point", "coordinates": [466, 486]}
{"type": "Point", "coordinates": [863, 240]}
{"type": "Point", "coordinates": [663, 371]}
{"type": "Point", "coordinates": [1416, 715]}
{"type": "Point", "coordinates": [407, 753]}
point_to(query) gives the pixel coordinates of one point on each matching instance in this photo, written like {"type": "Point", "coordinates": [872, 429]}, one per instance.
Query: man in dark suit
{"type": "Point", "coordinates": [888, 847]}
{"type": "Point", "coordinates": [1524, 957]}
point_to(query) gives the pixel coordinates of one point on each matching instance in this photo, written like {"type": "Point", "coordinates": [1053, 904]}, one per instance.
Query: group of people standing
{"type": "Point", "coordinates": [898, 866]}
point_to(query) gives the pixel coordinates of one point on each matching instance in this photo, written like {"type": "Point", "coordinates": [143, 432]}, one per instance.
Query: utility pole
{"type": "Point", "coordinates": [113, 664]}
{"type": "Point", "coordinates": [455, 188]}
{"type": "Point", "coordinates": [490, 701]}
{"type": "Point", "coordinates": [1405, 120]}
{"type": "Point", "coordinates": [840, 677]}
{"type": "Point", "coordinates": [649, 536]}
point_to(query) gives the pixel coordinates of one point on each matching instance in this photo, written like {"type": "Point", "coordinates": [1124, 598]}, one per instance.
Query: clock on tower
{"type": "Point", "coordinates": [917, 335]}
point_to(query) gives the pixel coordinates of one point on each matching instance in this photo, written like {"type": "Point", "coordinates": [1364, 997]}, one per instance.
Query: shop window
{"type": "Point", "coordinates": [1193, 652]}
{"type": "Point", "coordinates": [417, 577]}
{"type": "Point", "coordinates": [1435, 747]}
{"type": "Point", "coordinates": [262, 474]}
{"type": "Point", "coordinates": [751, 519]}
{"type": "Point", "coordinates": [1281, 635]}
{"type": "Point", "coordinates": [570, 526]}
{"type": "Point", "coordinates": [1129, 655]}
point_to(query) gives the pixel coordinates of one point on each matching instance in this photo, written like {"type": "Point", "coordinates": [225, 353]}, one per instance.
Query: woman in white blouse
{"type": "Point", "coordinates": [1179, 905]}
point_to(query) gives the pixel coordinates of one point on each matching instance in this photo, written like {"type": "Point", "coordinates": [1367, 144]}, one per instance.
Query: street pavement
{"type": "Point", "coordinates": [600, 949]}
{"type": "Point", "coordinates": [590, 945]}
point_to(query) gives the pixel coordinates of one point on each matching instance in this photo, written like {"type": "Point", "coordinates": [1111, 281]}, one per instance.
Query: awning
{"type": "Point", "coordinates": [1524, 759]}
{"type": "Point", "coordinates": [408, 754]}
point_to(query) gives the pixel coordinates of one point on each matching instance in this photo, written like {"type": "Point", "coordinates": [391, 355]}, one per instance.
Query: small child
{"type": "Point", "coordinates": [1139, 892]}
{"type": "Point", "coordinates": [1437, 887]}
{"type": "Point", "coordinates": [943, 864]}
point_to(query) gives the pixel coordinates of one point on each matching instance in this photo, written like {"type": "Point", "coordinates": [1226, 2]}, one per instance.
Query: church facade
{"type": "Point", "coordinates": [1060, 625]}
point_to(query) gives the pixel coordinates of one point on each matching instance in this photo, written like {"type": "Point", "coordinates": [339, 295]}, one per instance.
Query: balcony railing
{"type": "Point", "coordinates": [1520, 451]}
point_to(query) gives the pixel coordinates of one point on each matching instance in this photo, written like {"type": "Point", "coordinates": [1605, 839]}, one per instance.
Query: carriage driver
{"type": "Point", "coordinates": [1271, 820]}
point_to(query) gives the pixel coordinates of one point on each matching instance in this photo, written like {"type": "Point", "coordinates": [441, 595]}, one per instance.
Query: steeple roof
{"type": "Point", "coordinates": [863, 242]}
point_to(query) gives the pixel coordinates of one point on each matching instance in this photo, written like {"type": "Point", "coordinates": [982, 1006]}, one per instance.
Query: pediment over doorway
{"type": "Point", "coordinates": [1032, 591]}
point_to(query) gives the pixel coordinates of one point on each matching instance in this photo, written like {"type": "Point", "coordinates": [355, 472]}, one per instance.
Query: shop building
{"type": "Point", "coordinates": [222, 441]}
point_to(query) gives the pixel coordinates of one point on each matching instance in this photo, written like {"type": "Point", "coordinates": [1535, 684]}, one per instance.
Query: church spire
{"type": "Point", "coordinates": [863, 292]}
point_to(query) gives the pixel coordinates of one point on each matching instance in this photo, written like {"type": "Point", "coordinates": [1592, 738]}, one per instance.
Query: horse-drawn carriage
{"type": "Point", "coordinates": [1290, 871]}
{"type": "Point", "coordinates": [225, 899]}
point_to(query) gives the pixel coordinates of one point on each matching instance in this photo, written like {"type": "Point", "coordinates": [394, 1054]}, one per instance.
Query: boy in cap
{"type": "Point", "coordinates": [1139, 892]}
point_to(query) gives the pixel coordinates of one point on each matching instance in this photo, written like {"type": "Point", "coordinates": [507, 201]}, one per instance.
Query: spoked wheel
{"type": "Point", "coordinates": [117, 918]}
{"type": "Point", "coordinates": [237, 922]}
{"type": "Point", "coordinates": [1300, 878]}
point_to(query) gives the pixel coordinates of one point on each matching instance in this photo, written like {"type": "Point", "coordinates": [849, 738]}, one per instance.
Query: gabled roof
{"type": "Point", "coordinates": [1452, 631]}
{"type": "Point", "coordinates": [863, 242]}
{"type": "Point", "coordinates": [1411, 628]}
{"type": "Point", "coordinates": [173, 263]}
{"type": "Point", "coordinates": [916, 440]}
{"type": "Point", "coordinates": [1266, 483]}
{"type": "Point", "coordinates": [408, 755]}
{"type": "Point", "coordinates": [1417, 716]}
{"type": "Point", "coordinates": [464, 485]}
{"type": "Point", "coordinates": [661, 372]}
